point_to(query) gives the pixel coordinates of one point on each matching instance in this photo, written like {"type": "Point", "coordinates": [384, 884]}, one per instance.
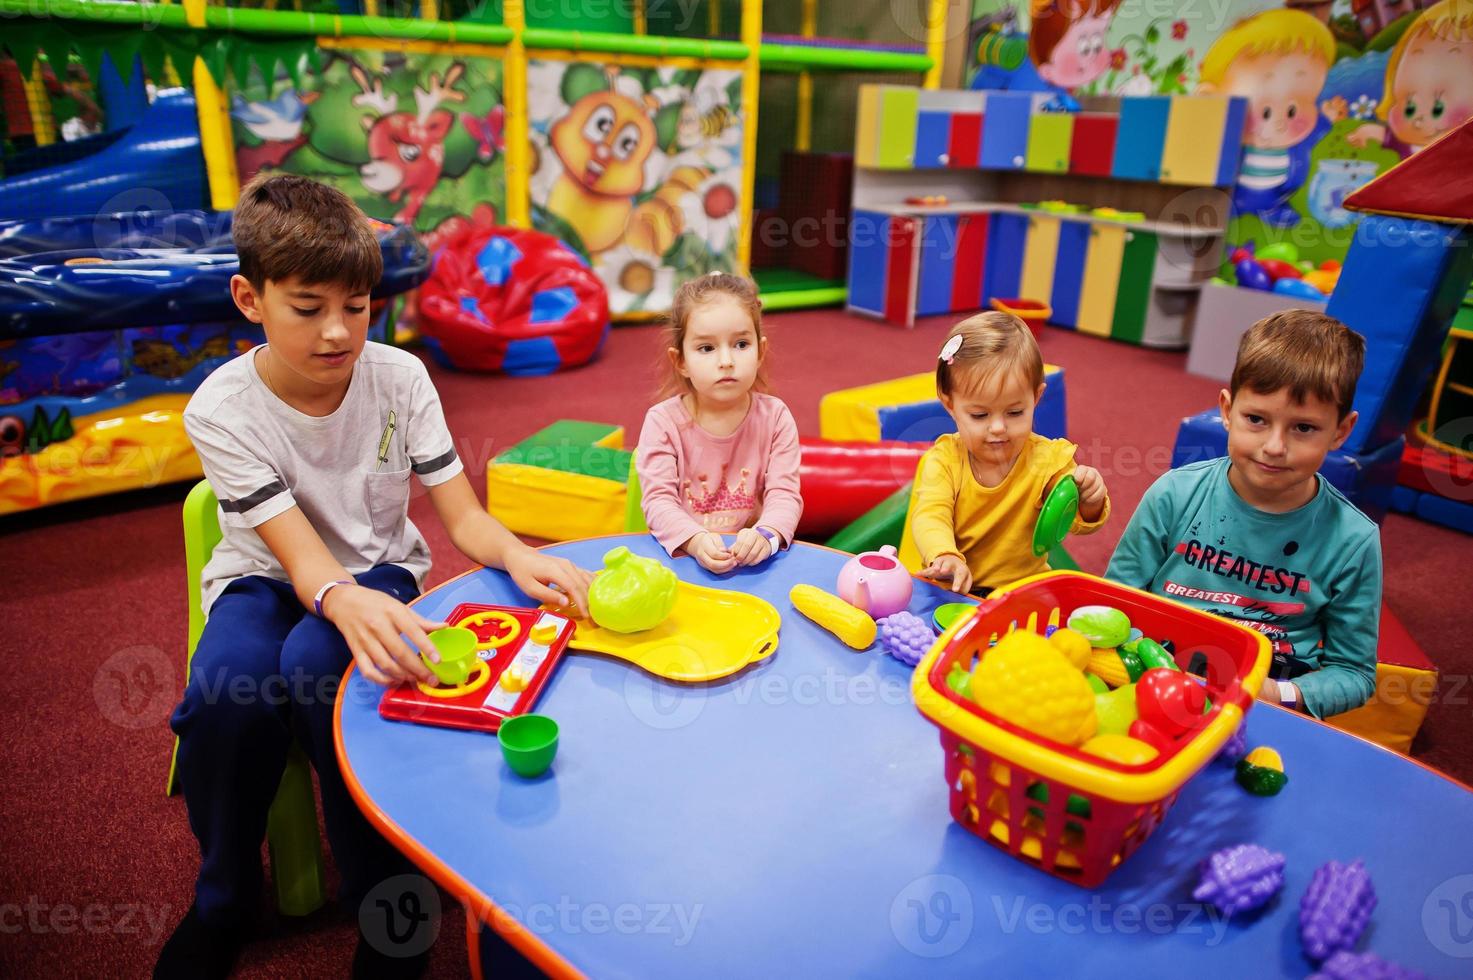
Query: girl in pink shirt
{"type": "Point", "coordinates": [721, 456]}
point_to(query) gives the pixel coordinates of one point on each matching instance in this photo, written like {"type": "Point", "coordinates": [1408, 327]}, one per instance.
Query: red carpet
{"type": "Point", "coordinates": [98, 864]}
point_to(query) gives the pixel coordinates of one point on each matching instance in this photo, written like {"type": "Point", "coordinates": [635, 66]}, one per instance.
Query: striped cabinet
{"type": "Point", "coordinates": [1005, 126]}
{"type": "Point", "coordinates": [1140, 138]}
{"type": "Point", "coordinates": [1049, 137]}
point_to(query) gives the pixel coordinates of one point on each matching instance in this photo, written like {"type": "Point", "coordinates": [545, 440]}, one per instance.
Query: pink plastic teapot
{"type": "Point", "coordinates": [876, 582]}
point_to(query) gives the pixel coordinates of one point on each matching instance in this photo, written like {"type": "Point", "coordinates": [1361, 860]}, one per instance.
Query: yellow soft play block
{"type": "Point", "coordinates": [550, 504]}
{"type": "Point", "coordinates": [566, 481]}
{"type": "Point", "coordinates": [890, 409]}
{"type": "Point", "coordinates": [1395, 712]}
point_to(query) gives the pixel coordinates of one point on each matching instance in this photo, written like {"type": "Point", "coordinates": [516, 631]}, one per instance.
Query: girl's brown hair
{"type": "Point", "coordinates": [992, 344]}
{"type": "Point", "coordinates": [695, 293]}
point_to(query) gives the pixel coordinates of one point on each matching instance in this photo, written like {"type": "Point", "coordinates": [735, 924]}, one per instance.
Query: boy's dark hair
{"type": "Point", "coordinates": [286, 226]}
{"type": "Point", "coordinates": [1307, 352]}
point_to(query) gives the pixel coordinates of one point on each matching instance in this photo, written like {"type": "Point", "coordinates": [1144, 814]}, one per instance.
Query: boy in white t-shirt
{"type": "Point", "coordinates": [309, 442]}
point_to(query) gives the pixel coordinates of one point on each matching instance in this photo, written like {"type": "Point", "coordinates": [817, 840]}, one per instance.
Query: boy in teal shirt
{"type": "Point", "coordinates": [1260, 537]}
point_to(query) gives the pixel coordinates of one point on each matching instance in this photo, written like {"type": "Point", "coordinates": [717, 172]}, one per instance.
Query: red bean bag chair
{"type": "Point", "coordinates": [512, 300]}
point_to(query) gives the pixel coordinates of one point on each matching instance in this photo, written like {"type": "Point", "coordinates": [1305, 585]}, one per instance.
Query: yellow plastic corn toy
{"type": "Point", "coordinates": [848, 623]}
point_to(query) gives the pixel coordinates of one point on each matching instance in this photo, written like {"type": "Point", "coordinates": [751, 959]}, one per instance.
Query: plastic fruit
{"type": "Point", "coordinates": [1097, 685]}
{"type": "Point", "coordinates": [1152, 654]}
{"type": "Point", "coordinates": [1107, 666]}
{"type": "Point", "coordinates": [1170, 701]}
{"type": "Point", "coordinates": [905, 636]}
{"type": "Point", "coordinates": [851, 625]}
{"type": "Point", "coordinates": [1335, 908]}
{"type": "Point", "coordinates": [1278, 270]}
{"type": "Point", "coordinates": [1240, 878]}
{"type": "Point", "coordinates": [1102, 626]}
{"type": "Point", "coordinates": [1134, 668]}
{"type": "Point", "coordinates": [1120, 748]}
{"type": "Point", "coordinates": [1261, 772]}
{"type": "Point", "coordinates": [1073, 645]}
{"type": "Point", "coordinates": [1025, 680]}
{"type": "Point", "coordinates": [1116, 710]}
{"type": "Point", "coordinates": [1144, 731]}
{"type": "Point", "coordinates": [632, 593]}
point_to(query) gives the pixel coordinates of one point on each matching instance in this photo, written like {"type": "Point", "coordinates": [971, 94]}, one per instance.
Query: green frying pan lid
{"type": "Point", "coordinates": [1057, 516]}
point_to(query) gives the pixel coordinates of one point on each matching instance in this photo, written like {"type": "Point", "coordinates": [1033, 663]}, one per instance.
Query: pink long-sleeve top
{"type": "Point", "coordinates": [693, 481]}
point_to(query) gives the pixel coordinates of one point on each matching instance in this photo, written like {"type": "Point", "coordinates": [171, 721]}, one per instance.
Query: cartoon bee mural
{"type": "Point", "coordinates": [604, 143]}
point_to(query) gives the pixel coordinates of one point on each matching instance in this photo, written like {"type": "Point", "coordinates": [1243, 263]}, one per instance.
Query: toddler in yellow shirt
{"type": "Point", "coordinates": [978, 491]}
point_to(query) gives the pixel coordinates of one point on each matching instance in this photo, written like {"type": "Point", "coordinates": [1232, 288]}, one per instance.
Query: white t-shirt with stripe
{"type": "Point", "coordinates": [348, 471]}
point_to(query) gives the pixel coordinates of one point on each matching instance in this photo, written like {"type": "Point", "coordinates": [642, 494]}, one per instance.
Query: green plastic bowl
{"type": "Point", "coordinates": [528, 743]}
{"type": "Point", "coordinates": [457, 648]}
{"type": "Point", "coordinates": [946, 614]}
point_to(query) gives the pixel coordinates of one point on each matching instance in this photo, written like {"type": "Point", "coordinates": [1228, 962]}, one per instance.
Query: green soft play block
{"type": "Point", "coordinates": [567, 446]}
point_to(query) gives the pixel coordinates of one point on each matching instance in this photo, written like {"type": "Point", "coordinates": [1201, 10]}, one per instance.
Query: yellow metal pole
{"type": "Point", "coordinates": [935, 42]}
{"type": "Point", "coordinates": [804, 139]}
{"type": "Point", "coordinates": [216, 140]}
{"type": "Point", "coordinates": [641, 21]}
{"type": "Point", "coordinates": [752, 38]}
{"type": "Point", "coordinates": [429, 9]}
{"type": "Point", "coordinates": [713, 18]}
{"type": "Point", "coordinates": [518, 140]}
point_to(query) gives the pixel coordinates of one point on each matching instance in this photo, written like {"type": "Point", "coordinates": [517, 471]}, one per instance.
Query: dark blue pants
{"type": "Point", "coordinates": [266, 671]}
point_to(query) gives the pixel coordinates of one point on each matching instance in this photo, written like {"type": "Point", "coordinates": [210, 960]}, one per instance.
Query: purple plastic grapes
{"type": "Point", "coordinates": [1235, 747]}
{"type": "Point", "coordinates": [1345, 965]}
{"type": "Point", "coordinates": [906, 637]}
{"type": "Point", "coordinates": [1335, 908]}
{"type": "Point", "coordinates": [1240, 878]}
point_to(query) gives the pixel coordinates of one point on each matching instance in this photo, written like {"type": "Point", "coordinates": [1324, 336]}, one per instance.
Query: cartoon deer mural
{"type": "Point", "coordinates": [406, 149]}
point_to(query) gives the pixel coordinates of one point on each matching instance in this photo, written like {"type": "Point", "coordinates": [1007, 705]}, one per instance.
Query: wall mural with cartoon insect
{"type": "Point", "coordinates": [639, 169]}
{"type": "Point", "coordinates": [1338, 90]}
{"type": "Point", "coordinates": [414, 138]}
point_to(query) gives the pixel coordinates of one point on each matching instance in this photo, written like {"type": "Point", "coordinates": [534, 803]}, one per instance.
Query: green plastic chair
{"type": "Point", "coordinates": [292, 839]}
{"type": "Point", "coordinates": [633, 501]}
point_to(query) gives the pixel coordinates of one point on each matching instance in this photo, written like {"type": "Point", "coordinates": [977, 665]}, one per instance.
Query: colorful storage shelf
{"type": "Point", "coordinates": [1190, 140]}
{"type": "Point", "coordinates": [1098, 275]}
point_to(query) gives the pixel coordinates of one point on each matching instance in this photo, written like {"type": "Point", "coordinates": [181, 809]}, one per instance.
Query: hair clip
{"type": "Point", "coordinates": [948, 351]}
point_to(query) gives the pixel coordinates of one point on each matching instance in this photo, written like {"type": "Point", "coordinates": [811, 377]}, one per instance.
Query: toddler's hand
{"type": "Point", "coordinates": [711, 551]}
{"type": "Point", "coordinates": [949, 568]}
{"type": "Point", "coordinates": [535, 573]}
{"type": "Point", "coordinates": [1092, 492]}
{"type": "Point", "coordinates": [372, 621]}
{"type": "Point", "coordinates": [751, 547]}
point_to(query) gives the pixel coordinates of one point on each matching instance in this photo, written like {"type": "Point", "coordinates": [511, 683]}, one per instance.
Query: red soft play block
{"type": "Point", "coordinates": [965, 146]}
{"type": "Point", "coordinates": [1093, 148]}
{"type": "Point", "coordinates": [1431, 185]}
{"type": "Point", "coordinates": [1396, 646]}
{"type": "Point", "coordinates": [1430, 470]}
{"type": "Point", "coordinates": [900, 272]}
{"type": "Point", "coordinates": [484, 708]}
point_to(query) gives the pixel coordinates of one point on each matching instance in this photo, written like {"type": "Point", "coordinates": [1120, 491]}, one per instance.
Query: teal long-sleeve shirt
{"type": "Point", "coordinates": [1308, 579]}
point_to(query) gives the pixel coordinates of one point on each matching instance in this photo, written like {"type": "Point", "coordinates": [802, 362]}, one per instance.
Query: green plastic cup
{"type": "Point", "coordinates": [528, 743]}
{"type": "Point", "coordinates": [457, 648]}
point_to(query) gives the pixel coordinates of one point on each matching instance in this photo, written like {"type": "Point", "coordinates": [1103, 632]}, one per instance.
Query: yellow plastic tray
{"type": "Point", "coordinates": [711, 633]}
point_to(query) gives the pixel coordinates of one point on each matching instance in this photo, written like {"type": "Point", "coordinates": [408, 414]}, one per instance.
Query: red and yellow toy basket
{"type": "Point", "coordinates": [1077, 816]}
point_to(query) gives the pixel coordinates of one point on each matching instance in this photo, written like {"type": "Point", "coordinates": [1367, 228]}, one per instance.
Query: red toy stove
{"type": "Point", "coordinates": [518, 649]}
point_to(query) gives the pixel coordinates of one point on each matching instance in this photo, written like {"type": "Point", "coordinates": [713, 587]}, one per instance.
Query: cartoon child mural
{"type": "Point", "coordinates": [603, 142]}
{"type": "Point", "coordinates": [1429, 81]}
{"type": "Point", "coordinates": [1064, 47]}
{"type": "Point", "coordinates": [1278, 61]}
{"type": "Point", "coordinates": [1066, 41]}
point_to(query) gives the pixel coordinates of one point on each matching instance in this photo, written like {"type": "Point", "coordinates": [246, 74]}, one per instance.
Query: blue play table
{"type": "Point", "coordinates": [792, 820]}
